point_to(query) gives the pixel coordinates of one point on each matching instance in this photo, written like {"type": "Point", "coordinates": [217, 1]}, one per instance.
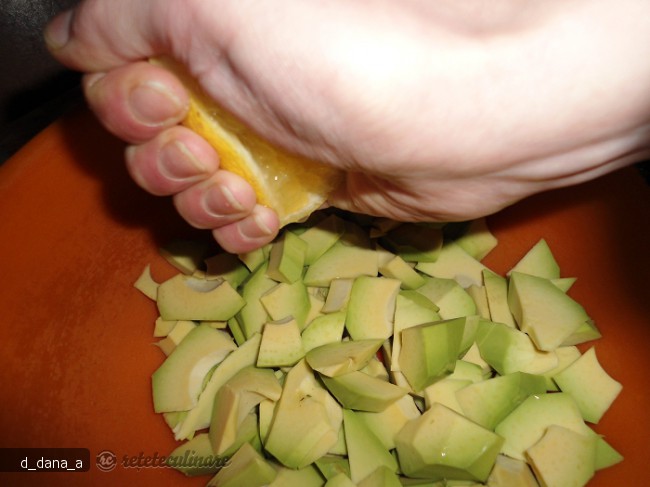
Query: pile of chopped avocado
{"type": "Point", "coordinates": [357, 351]}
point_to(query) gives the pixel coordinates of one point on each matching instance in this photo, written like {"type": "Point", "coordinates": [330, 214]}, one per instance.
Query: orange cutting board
{"type": "Point", "coordinates": [76, 352]}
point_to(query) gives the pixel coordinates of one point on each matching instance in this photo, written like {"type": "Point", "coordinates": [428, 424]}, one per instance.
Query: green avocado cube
{"type": "Point", "coordinates": [563, 457]}
{"type": "Point", "coordinates": [443, 444]}
{"type": "Point", "coordinates": [543, 311]}
{"type": "Point", "coordinates": [593, 389]}
{"type": "Point", "coordinates": [189, 298]}
{"type": "Point", "coordinates": [246, 467]}
{"type": "Point", "coordinates": [430, 351]}
{"type": "Point", "coordinates": [178, 381]}
{"type": "Point", "coordinates": [287, 258]}
{"type": "Point", "coordinates": [359, 391]}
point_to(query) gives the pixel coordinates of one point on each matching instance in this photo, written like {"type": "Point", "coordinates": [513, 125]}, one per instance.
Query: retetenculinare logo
{"type": "Point", "coordinates": [106, 461]}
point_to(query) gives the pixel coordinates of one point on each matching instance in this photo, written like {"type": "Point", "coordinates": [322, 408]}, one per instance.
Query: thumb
{"type": "Point", "coordinates": [98, 35]}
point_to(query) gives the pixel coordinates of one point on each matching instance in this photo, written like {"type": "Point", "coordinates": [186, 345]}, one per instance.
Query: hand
{"type": "Point", "coordinates": [437, 110]}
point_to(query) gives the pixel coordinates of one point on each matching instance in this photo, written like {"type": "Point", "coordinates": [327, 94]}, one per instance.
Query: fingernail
{"type": "Point", "coordinates": [57, 32]}
{"type": "Point", "coordinates": [177, 162]}
{"type": "Point", "coordinates": [220, 201]}
{"type": "Point", "coordinates": [255, 227]}
{"type": "Point", "coordinates": [153, 104]}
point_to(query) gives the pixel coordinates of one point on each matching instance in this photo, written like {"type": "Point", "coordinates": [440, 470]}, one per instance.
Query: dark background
{"type": "Point", "coordinates": [35, 89]}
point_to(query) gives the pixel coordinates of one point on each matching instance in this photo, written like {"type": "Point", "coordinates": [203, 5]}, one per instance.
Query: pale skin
{"type": "Point", "coordinates": [438, 110]}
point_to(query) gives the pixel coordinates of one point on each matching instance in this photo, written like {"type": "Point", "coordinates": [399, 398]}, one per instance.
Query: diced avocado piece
{"type": "Point", "coordinates": [236, 399]}
{"type": "Point", "coordinates": [266, 409]}
{"type": "Point", "coordinates": [340, 480]}
{"type": "Point", "coordinates": [523, 427]}
{"type": "Point", "coordinates": [306, 422]}
{"type": "Point", "coordinates": [593, 389]}
{"type": "Point", "coordinates": [371, 308]}
{"type": "Point", "coordinates": [287, 301]}
{"type": "Point", "coordinates": [247, 467]}
{"type": "Point", "coordinates": [454, 263]}
{"type": "Point", "coordinates": [323, 329]}
{"type": "Point", "coordinates": [586, 332]}
{"type": "Point", "coordinates": [444, 444]}
{"type": "Point", "coordinates": [432, 351]}
{"type": "Point", "coordinates": [565, 357]}
{"type": "Point", "coordinates": [341, 261]}
{"type": "Point", "coordinates": [255, 258]}
{"type": "Point", "coordinates": [248, 432]}
{"type": "Point", "coordinates": [186, 255]}
{"type": "Point", "coordinates": [462, 483]}
{"type": "Point", "coordinates": [444, 392]}
{"type": "Point", "coordinates": [316, 303]}
{"type": "Point", "coordinates": [332, 465]}
{"type": "Point", "coordinates": [387, 423]}
{"type": "Point", "coordinates": [308, 476]}
{"type": "Point", "coordinates": [410, 482]}
{"type": "Point", "coordinates": [199, 417]}
{"type": "Point", "coordinates": [606, 455]}
{"type": "Point", "coordinates": [287, 258]}
{"type": "Point", "coordinates": [359, 391]}
{"type": "Point", "coordinates": [496, 289]}
{"type": "Point", "coordinates": [376, 368]}
{"type": "Point", "coordinates": [146, 284]}
{"type": "Point", "coordinates": [356, 233]}
{"type": "Point", "coordinates": [543, 311]}
{"type": "Point", "coordinates": [188, 298]}
{"type": "Point", "coordinates": [365, 451]}
{"type": "Point", "coordinates": [281, 345]}
{"type": "Point", "coordinates": [236, 331]}
{"type": "Point", "coordinates": [538, 261]}
{"type": "Point", "coordinates": [472, 323]}
{"type": "Point", "coordinates": [414, 242]}
{"type": "Point", "coordinates": [338, 295]}
{"type": "Point", "coordinates": [477, 240]}
{"type": "Point", "coordinates": [473, 356]}
{"type": "Point", "coordinates": [381, 477]}
{"type": "Point", "coordinates": [465, 370]}
{"type": "Point", "coordinates": [339, 448]}
{"type": "Point", "coordinates": [175, 336]}
{"type": "Point", "coordinates": [509, 350]}
{"type": "Point", "coordinates": [489, 402]}
{"type": "Point", "coordinates": [321, 237]}
{"type": "Point", "coordinates": [563, 457]}
{"type": "Point", "coordinates": [163, 327]}
{"type": "Point", "coordinates": [177, 382]}
{"type": "Point", "coordinates": [195, 457]}
{"type": "Point", "coordinates": [450, 297]}
{"type": "Point", "coordinates": [479, 295]}
{"type": "Point", "coordinates": [253, 315]}
{"type": "Point", "coordinates": [564, 283]}
{"type": "Point", "coordinates": [339, 358]}
{"type": "Point", "coordinates": [173, 418]}
{"type": "Point", "coordinates": [510, 472]}
{"type": "Point", "coordinates": [398, 268]}
{"type": "Point", "coordinates": [411, 309]}
{"type": "Point", "coordinates": [219, 325]}
{"type": "Point", "coordinates": [228, 267]}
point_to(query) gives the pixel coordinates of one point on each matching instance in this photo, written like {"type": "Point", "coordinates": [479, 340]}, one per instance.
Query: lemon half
{"type": "Point", "coordinates": [292, 185]}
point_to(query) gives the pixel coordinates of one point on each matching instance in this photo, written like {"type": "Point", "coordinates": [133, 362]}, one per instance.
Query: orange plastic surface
{"type": "Point", "coordinates": [76, 351]}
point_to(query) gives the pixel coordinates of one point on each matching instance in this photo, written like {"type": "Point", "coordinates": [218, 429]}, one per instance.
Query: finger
{"type": "Point", "coordinates": [259, 228]}
{"type": "Point", "coordinates": [137, 101]}
{"type": "Point", "coordinates": [99, 35]}
{"type": "Point", "coordinates": [216, 202]}
{"type": "Point", "coordinates": [171, 162]}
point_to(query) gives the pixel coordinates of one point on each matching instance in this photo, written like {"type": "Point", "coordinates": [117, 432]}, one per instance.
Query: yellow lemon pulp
{"type": "Point", "coordinates": [292, 185]}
